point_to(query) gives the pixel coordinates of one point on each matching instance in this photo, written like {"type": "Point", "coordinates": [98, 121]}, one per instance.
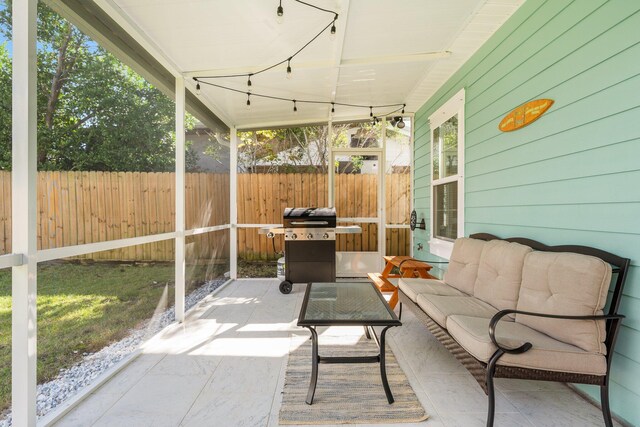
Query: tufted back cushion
{"type": "Point", "coordinates": [463, 265]}
{"type": "Point", "coordinates": [500, 273]}
{"type": "Point", "coordinates": [569, 284]}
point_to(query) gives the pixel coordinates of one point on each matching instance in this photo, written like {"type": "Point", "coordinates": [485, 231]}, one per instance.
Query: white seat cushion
{"type": "Point", "coordinates": [547, 353]}
{"type": "Point", "coordinates": [412, 287]}
{"type": "Point", "coordinates": [463, 264]}
{"type": "Point", "coordinates": [440, 307]}
{"type": "Point", "coordinates": [500, 273]}
{"type": "Point", "coordinates": [568, 284]}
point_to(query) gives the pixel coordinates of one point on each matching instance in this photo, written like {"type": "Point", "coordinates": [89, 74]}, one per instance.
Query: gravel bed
{"type": "Point", "coordinates": [70, 381]}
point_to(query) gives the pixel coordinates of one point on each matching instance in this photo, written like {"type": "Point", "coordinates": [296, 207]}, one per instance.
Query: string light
{"type": "Point", "coordinates": [397, 107]}
{"type": "Point", "coordinates": [331, 26]}
{"type": "Point", "coordinates": [280, 13]}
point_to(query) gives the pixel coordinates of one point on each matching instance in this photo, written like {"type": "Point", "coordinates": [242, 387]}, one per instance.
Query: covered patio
{"type": "Point", "coordinates": [227, 361]}
{"type": "Point", "coordinates": [406, 103]}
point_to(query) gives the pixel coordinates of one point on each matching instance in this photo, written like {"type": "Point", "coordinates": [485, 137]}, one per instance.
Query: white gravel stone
{"type": "Point", "coordinates": [71, 380]}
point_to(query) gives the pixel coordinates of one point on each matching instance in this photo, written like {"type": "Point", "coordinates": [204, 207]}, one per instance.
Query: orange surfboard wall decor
{"type": "Point", "coordinates": [524, 114]}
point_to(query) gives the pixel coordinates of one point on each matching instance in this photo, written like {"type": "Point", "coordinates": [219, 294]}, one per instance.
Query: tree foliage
{"type": "Point", "coordinates": [306, 149]}
{"type": "Point", "coordinates": [94, 113]}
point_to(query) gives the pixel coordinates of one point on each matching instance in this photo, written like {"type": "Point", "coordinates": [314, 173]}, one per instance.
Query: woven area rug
{"type": "Point", "coordinates": [347, 393]}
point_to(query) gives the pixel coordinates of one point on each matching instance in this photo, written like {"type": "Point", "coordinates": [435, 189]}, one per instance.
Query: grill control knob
{"type": "Point", "coordinates": [294, 236]}
{"type": "Point", "coordinates": [309, 236]}
{"type": "Point", "coordinates": [325, 236]}
{"type": "Point", "coordinates": [270, 235]}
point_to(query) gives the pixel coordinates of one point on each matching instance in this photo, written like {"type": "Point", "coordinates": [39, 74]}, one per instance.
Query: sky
{"type": "Point", "coordinates": [3, 39]}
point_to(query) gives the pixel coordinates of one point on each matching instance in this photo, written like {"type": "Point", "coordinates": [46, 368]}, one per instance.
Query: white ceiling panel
{"type": "Point", "coordinates": [384, 52]}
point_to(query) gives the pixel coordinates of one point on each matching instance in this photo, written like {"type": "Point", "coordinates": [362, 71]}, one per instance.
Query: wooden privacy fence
{"type": "Point", "coordinates": [263, 197]}
{"type": "Point", "coordinates": [75, 208]}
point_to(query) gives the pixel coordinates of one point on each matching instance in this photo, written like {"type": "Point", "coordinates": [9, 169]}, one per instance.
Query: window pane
{"type": "Point", "coordinates": [95, 309]}
{"type": "Point", "coordinates": [363, 134]}
{"type": "Point", "coordinates": [356, 186]}
{"type": "Point", "coordinates": [207, 260]}
{"type": "Point", "coordinates": [207, 177]}
{"type": "Point", "coordinates": [445, 149]}
{"type": "Point", "coordinates": [449, 136]}
{"type": "Point", "coordinates": [445, 209]}
{"type": "Point", "coordinates": [5, 340]}
{"type": "Point", "coordinates": [436, 153]}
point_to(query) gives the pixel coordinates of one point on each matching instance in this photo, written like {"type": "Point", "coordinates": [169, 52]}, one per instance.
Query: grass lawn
{"type": "Point", "coordinates": [253, 269]}
{"type": "Point", "coordinates": [82, 307]}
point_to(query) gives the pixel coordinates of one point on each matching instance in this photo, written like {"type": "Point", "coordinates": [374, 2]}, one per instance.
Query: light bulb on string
{"type": "Point", "coordinates": [289, 68]}
{"type": "Point", "coordinates": [249, 80]}
{"type": "Point", "coordinates": [333, 109]}
{"type": "Point", "coordinates": [403, 105]}
{"type": "Point", "coordinates": [295, 107]}
{"type": "Point", "coordinates": [280, 13]}
{"type": "Point", "coordinates": [371, 111]}
{"type": "Point", "coordinates": [198, 91]}
{"type": "Point", "coordinates": [401, 123]}
{"type": "Point", "coordinates": [333, 28]}
{"type": "Point", "coordinates": [248, 100]}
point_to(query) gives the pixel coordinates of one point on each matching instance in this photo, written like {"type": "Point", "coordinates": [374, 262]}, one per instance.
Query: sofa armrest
{"type": "Point", "coordinates": [527, 345]}
{"type": "Point", "coordinates": [422, 260]}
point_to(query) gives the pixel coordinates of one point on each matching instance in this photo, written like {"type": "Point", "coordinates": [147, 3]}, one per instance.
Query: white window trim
{"type": "Point", "coordinates": [453, 106]}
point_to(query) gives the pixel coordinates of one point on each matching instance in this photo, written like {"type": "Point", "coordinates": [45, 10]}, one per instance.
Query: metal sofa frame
{"type": "Point", "coordinates": [484, 373]}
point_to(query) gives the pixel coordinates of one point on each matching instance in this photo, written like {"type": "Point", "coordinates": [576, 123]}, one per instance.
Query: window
{"type": "Point", "coordinates": [447, 184]}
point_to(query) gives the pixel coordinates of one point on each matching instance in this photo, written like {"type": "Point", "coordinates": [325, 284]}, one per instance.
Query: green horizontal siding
{"type": "Point", "coordinates": [572, 177]}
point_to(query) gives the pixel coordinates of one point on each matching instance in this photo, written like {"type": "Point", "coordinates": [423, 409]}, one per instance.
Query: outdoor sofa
{"type": "Point", "coordinates": [516, 308]}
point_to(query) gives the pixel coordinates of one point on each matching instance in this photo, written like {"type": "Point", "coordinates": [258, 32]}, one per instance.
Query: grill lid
{"type": "Point", "coordinates": [309, 217]}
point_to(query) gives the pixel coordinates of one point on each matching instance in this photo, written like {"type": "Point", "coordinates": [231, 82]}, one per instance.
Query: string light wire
{"type": "Point", "coordinates": [249, 75]}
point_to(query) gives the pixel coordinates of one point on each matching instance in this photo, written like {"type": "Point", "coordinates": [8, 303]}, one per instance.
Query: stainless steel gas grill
{"type": "Point", "coordinates": [309, 244]}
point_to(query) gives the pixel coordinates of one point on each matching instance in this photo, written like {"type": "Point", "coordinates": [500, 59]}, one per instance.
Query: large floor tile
{"type": "Point", "coordinates": [157, 400]}
{"type": "Point", "coordinates": [558, 408]}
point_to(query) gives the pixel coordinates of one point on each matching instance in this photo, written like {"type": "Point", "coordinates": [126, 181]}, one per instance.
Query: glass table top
{"type": "Point", "coordinates": [345, 303]}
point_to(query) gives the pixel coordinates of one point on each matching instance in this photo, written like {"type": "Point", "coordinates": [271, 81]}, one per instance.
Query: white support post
{"type": "Point", "coordinates": [411, 176]}
{"type": "Point", "coordinates": [233, 204]}
{"type": "Point", "coordinates": [382, 195]}
{"type": "Point", "coordinates": [24, 169]}
{"type": "Point", "coordinates": [180, 201]}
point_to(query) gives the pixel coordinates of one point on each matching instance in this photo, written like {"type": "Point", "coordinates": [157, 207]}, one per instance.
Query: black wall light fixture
{"type": "Point", "coordinates": [331, 26]}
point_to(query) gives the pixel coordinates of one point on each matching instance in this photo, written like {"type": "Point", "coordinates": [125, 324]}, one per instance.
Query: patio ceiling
{"type": "Point", "coordinates": [384, 52]}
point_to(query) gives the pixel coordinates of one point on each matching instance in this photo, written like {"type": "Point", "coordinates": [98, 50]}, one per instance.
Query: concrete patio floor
{"type": "Point", "coordinates": [225, 367]}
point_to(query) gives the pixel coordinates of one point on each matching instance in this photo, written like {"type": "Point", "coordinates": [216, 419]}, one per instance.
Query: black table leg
{"type": "Point", "coordinates": [314, 365]}
{"type": "Point", "coordinates": [383, 368]}
{"type": "Point", "coordinates": [366, 332]}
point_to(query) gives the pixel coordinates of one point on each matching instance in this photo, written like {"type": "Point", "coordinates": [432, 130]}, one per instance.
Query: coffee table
{"type": "Point", "coordinates": [346, 304]}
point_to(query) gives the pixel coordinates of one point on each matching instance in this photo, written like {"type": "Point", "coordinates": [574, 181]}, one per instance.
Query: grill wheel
{"type": "Point", "coordinates": [286, 287]}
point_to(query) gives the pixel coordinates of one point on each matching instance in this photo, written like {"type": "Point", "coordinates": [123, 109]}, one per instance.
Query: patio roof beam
{"type": "Point", "coordinates": [337, 58]}
{"type": "Point", "coordinates": [342, 63]}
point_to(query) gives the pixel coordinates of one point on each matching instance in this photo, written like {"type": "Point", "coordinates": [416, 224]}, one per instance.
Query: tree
{"type": "Point", "coordinates": [94, 113]}
{"type": "Point", "coordinates": [5, 108]}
